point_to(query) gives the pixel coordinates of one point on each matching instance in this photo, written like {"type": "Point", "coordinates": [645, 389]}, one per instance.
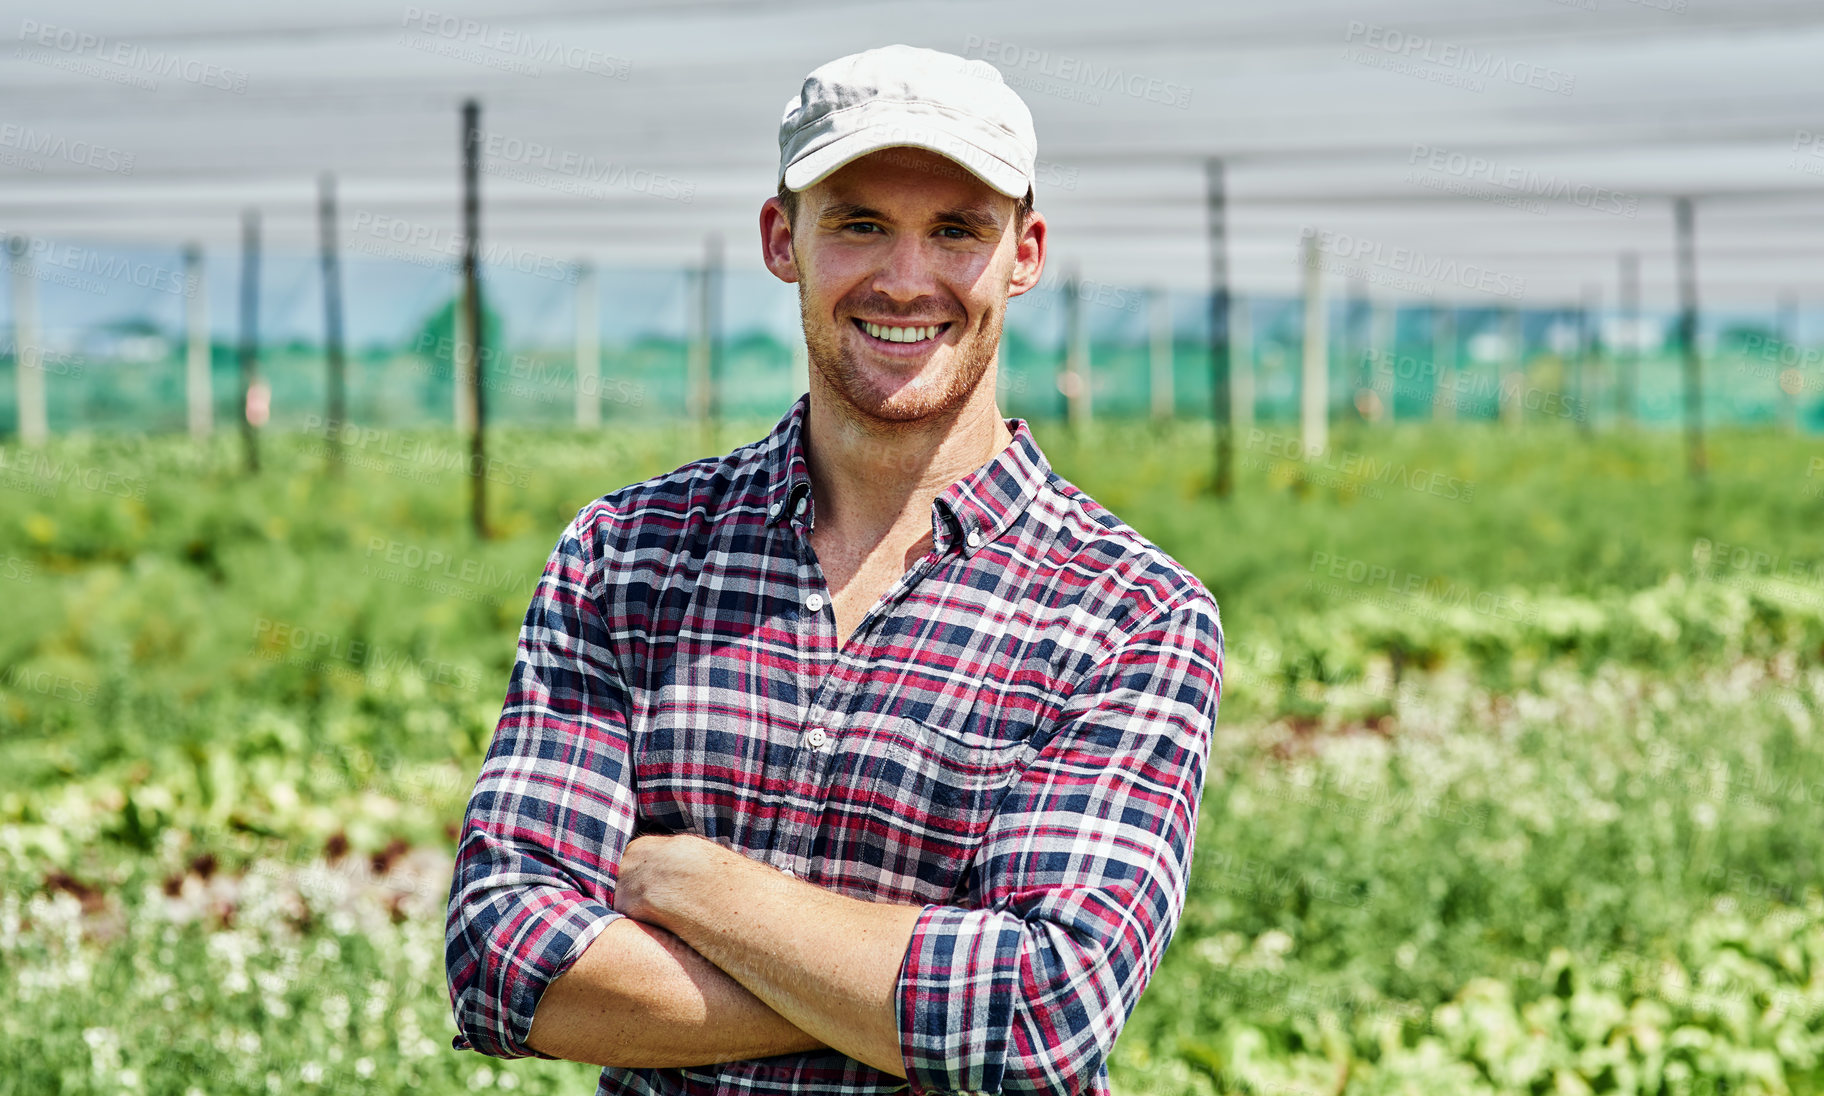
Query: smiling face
{"type": "Point", "coordinates": [904, 262]}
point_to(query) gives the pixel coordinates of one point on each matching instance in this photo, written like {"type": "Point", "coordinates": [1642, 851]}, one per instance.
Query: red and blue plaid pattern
{"type": "Point", "coordinates": [1015, 737]}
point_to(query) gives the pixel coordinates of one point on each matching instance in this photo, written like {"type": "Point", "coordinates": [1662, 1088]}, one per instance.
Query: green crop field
{"type": "Point", "coordinates": [1517, 786]}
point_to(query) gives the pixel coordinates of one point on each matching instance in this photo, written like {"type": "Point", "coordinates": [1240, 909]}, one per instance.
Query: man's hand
{"type": "Point", "coordinates": [827, 963]}
{"type": "Point", "coordinates": [656, 867]}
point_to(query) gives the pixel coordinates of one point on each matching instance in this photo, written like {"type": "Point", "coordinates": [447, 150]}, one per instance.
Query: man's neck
{"type": "Point", "coordinates": [871, 483]}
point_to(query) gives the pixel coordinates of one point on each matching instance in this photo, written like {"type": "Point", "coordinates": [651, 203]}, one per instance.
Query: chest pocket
{"type": "Point", "coordinates": [908, 805]}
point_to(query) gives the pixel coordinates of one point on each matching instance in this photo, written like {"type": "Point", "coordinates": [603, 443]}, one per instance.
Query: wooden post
{"type": "Point", "coordinates": [1355, 352]}
{"type": "Point", "coordinates": [1314, 386]}
{"type": "Point", "coordinates": [1627, 365]}
{"type": "Point", "coordinates": [1789, 382]}
{"type": "Point", "coordinates": [1382, 325]}
{"type": "Point", "coordinates": [462, 365]}
{"type": "Point", "coordinates": [250, 336]}
{"type": "Point", "coordinates": [1444, 362]}
{"type": "Point", "coordinates": [1223, 481]}
{"type": "Point", "coordinates": [472, 313]}
{"type": "Point", "coordinates": [199, 394]}
{"type": "Point", "coordinates": [28, 347]}
{"type": "Point", "coordinates": [336, 382]}
{"type": "Point", "coordinates": [1159, 354]}
{"type": "Point", "coordinates": [1589, 314]}
{"type": "Point", "coordinates": [715, 400]}
{"type": "Point", "coordinates": [1695, 460]}
{"type": "Point", "coordinates": [1241, 363]}
{"type": "Point", "coordinates": [1074, 381]}
{"type": "Point", "coordinates": [588, 348]}
{"type": "Point", "coordinates": [1513, 385]}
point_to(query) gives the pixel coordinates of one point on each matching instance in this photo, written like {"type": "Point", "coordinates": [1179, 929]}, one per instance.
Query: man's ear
{"type": "Point", "coordinates": [1028, 255]}
{"type": "Point", "coordinates": [776, 241]}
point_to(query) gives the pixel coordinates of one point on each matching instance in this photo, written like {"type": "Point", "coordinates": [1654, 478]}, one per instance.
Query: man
{"type": "Point", "coordinates": [866, 756]}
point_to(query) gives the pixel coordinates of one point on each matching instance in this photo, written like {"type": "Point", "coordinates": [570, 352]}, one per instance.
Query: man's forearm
{"type": "Point", "coordinates": [639, 997]}
{"type": "Point", "coordinates": [827, 962]}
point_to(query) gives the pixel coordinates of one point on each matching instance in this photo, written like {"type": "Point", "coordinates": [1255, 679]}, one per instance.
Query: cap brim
{"type": "Point", "coordinates": [812, 168]}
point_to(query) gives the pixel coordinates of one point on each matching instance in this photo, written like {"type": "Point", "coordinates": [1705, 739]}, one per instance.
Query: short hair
{"type": "Point", "coordinates": [789, 199]}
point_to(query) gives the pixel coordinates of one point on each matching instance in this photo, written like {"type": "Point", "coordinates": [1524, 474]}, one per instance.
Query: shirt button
{"type": "Point", "coordinates": [802, 503]}
{"type": "Point", "coordinates": [816, 738]}
{"type": "Point", "coordinates": [786, 871]}
{"type": "Point", "coordinates": [773, 510]}
{"type": "Point", "coordinates": [975, 539]}
{"type": "Point", "coordinates": [814, 603]}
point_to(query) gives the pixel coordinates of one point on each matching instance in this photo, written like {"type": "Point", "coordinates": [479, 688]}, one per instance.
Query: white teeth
{"type": "Point", "coordinates": [901, 334]}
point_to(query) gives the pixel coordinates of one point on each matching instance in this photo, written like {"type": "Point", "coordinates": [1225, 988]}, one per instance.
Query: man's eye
{"type": "Point", "coordinates": [860, 224]}
{"type": "Point", "coordinates": [962, 233]}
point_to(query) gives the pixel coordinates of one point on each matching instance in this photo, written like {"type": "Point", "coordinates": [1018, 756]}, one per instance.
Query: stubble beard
{"type": "Point", "coordinates": [943, 395]}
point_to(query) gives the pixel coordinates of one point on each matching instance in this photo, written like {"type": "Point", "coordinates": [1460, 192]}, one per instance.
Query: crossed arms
{"type": "Point", "coordinates": [674, 951]}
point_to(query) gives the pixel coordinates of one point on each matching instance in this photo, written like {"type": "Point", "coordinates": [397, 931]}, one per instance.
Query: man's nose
{"type": "Point", "coordinates": [906, 271]}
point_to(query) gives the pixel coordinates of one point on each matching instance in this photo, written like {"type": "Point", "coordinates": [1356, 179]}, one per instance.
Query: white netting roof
{"type": "Point", "coordinates": [1444, 146]}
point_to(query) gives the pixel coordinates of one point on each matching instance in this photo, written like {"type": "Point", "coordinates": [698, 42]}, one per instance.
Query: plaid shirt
{"type": "Point", "coordinates": [1014, 737]}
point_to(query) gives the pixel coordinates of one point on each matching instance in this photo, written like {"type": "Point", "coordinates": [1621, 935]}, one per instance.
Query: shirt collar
{"type": "Point", "coordinates": [980, 506]}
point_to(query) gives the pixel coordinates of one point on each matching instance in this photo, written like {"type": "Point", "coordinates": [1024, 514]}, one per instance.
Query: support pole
{"type": "Point", "coordinates": [1074, 381]}
{"type": "Point", "coordinates": [588, 348]}
{"type": "Point", "coordinates": [1382, 323]}
{"type": "Point", "coordinates": [1513, 385]}
{"type": "Point", "coordinates": [1444, 362]}
{"type": "Point", "coordinates": [1627, 365]}
{"type": "Point", "coordinates": [336, 382]}
{"type": "Point", "coordinates": [1789, 381]}
{"type": "Point", "coordinates": [252, 403]}
{"type": "Point", "coordinates": [1241, 363]}
{"type": "Point", "coordinates": [1159, 356]}
{"type": "Point", "coordinates": [1223, 481]}
{"type": "Point", "coordinates": [1356, 323]}
{"type": "Point", "coordinates": [1589, 313]}
{"type": "Point", "coordinates": [1314, 386]}
{"type": "Point", "coordinates": [28, 347]}
{"type": "Point", "coordinates": [199, 395]}
{"type": "Point", "coordinates": [472, 312]}
{"type": "Point", "coordinates": [1695, 461]}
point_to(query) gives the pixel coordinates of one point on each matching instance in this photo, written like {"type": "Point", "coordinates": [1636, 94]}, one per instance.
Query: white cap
{"type": "Point", "coordinates": [906, 96]}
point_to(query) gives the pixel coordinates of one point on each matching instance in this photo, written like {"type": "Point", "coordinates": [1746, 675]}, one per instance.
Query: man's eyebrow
{"type": "Point", "coordinates": [970, 218]}
{"type": "Point", "coordinates": [973, 219]}
{"type": "Point", "coordinates": [849, 211]}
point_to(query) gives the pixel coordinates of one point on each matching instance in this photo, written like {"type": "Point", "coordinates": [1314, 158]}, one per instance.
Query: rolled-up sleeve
{"type": "Point", "coordinates": [1081, 877]}
{"type": "Point", "coordinates": [552, 810]}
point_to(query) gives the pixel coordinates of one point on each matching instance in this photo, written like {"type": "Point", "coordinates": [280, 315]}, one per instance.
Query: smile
{"type": "Point", "coordinates": [902, 336]}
